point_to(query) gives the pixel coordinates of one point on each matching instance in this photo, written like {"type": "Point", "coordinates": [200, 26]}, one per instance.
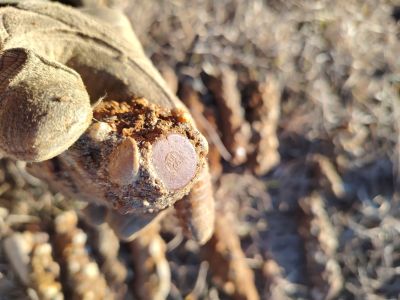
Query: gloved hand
{"type": "Point", "coordinates": [56, 63]}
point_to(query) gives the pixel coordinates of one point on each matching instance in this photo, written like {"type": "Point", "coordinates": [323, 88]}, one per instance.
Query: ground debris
{"type": "Point", "coordinates": [235, 129]}
{"type": "Point", "coordinates": [320, 242]}
{"type": "Point", "coordinates": [228, 262]}
{"type": "Point", "coordinates": [277, 287]}
{"type": "Point", "coordinates": [263, 109]}
{"type": "Point", "coordinates": [328, 170]}
{"type": "Point", "coordinates": [107, 246]}
{"type": "Point", "coordinates": [30, 255]}
{"type": "Point", "coordinates": [45, 273]}
{"type": "Point", "coordinates": [285, 256]}
{"type": "Point", "coordinates": [17, 250]}
{"type": "Point", "coordinates": [152, 272]}
{"type": "Point", "coordinates": [80, 271]}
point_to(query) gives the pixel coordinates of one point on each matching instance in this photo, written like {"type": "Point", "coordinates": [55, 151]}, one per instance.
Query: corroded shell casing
{"type": "Point", "coordinates": [136, 157]}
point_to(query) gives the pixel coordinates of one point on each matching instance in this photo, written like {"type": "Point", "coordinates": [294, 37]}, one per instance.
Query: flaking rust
{"type": "Point", "coordinates": [135, 157]}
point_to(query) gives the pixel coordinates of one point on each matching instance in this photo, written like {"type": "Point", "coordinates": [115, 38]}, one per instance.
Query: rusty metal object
{"type": "Point", "coordinates": [150, 159]}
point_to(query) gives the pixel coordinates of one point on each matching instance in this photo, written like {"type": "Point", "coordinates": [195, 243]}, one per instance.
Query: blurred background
{"type": "Point", "coordinates": [300, 103]}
